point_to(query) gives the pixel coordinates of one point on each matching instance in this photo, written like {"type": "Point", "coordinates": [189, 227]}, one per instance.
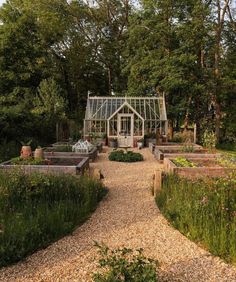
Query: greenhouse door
{"type": "Point", "coordinates": [125, 130]}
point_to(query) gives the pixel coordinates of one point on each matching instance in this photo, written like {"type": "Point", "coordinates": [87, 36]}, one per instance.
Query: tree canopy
{"type": "Point", "coordinates": [53, 53]}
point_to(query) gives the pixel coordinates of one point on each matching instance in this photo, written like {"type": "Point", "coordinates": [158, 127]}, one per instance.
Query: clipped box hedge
{"type": "Point", "coordinates": [121, 156]}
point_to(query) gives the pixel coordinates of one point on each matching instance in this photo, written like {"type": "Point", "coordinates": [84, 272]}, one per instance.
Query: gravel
{"type": "Point", "coordinates": [128, 217]}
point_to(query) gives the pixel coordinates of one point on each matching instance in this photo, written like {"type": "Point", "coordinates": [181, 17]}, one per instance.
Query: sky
{"type": "Point", "coordinates": [1, 1]}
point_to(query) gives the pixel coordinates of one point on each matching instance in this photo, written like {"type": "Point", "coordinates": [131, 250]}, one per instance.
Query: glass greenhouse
{"type": "Point", "coordinates": [126, 119]}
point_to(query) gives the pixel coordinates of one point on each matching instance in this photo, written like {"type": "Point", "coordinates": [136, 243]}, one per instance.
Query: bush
{"type": "Point", "coordinates": [125, 265]}
{"type": "Point", "coordinates": [183, 137]}
{"type": "Point", "coordinates": [8, 150]}
{"type": "Point", "coordinates": [38, 209]}
{"type": "Point", "coordinates": [204, 210]}
{"type": "Point", "coordinates": [121, 156]}
{"type": "Point", "coordinates": [209, 140]}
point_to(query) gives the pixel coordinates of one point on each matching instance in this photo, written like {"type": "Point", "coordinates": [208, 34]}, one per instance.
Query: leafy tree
{"type": "Point", "coordinates": [49, 100]}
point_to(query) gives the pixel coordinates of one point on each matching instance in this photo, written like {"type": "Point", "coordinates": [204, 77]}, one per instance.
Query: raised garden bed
{"type": "Point", "coordinates": [60, 144]}
{"type": "Point", "coordinates": [55, 151]}
{"type": "Point", "coordinates": [51, 164]}
{"type": "Point", "coordinates": [197, 167]}
{"type": "Point", "coordinates": [171, 145]}
{"type": "Point", "coordinates": [162, 153]}
{"type": "Point", "coordinates": [67, 146]}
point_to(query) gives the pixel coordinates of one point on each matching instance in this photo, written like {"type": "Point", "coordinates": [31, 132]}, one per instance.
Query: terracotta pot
{"type": "Point", "coordinates": [26, 152]}
{"type": "Point", "coordinates": [38, 153]}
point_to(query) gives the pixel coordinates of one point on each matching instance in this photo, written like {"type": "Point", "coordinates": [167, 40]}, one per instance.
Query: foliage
{"type": "Point", "coordinates": [209, 140]}
{"type": "Point", "coordinates": [151, 135]}
{"type": "Point", "coordinates": [183, 137]}
{"type": "Point", "coordinates": [37, 209]}
{"type": "Point", "coordinates": [8, 150]}
{"type": "Point", "coordinates": [203, 210]}
{"type": "Point", "coordinates": [49, 100]}
{"type": "Point", "coordinates": [26, 143]}
{"type": "Point", "coordinates": [227, 161]}
{"type": "Point", "coordinates": [187, 148]}
{"type": "Point", "coordinates": [121, 156]}
{"type": "Point", "coordinates": [183, 162]}
{"type": "Point", "coordinates": [53, 53]}
{"type": "Point", "coordinates": [28, 161]}
{"type": "Point", "coordinates": [229, 148]}
{"type": "Point", "coordinates": [125, 265]}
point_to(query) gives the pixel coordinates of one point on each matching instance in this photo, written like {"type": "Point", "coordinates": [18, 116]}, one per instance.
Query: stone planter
{"type": "Point", "coordinates": [26, 152]}
{"type": "Point", "coordinates": [38, 153]}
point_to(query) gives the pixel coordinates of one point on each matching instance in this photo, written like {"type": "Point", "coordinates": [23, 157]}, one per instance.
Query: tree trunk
{"type": "Point", "coordinates": [186, 121]}
{"type": "Point", "coordinates": [170, 130]}
{"type": "Point", "coordinates": [217, 121]}
{"type": "Point", "coordinates": [221, 11]}
{"type": "Point", "coordinates": [109, 81]}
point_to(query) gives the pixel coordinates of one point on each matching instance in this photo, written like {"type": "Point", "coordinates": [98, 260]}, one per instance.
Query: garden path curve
{"type": "Point", "coordinates": [127, 217]}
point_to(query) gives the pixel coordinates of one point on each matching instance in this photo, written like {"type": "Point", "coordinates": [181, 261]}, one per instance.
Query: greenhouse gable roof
{"type": "Point", "coordinates": [149, 108]}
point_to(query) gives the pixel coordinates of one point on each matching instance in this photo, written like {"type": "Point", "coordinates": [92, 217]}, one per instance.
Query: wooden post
{"type": "Point", "coordinates": [195, 134]}
{"type": "Point", "coordinates": [157, 181]}
{"type": "Point", "coordinates": [57, 131]}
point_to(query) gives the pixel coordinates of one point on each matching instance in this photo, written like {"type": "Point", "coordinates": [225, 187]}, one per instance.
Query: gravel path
{"type": "Point", "coordinates": [127, 217]}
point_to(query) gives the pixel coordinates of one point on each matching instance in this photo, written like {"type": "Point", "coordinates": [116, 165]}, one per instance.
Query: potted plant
{"type": "Point", "coordinates": [26, 151]}
{"type": "Point", "coordinates": [113, 143]}
{"type": "Point", "coordinates": [140, 144]}
{"type": "Point", "coordinates": [38, 153]}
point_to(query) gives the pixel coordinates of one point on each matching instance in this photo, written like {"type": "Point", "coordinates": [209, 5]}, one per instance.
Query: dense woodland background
{"type": "Point", "coordinates": [53, 53]}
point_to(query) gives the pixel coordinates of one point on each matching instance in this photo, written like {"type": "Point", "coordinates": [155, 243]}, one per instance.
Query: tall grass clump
{"type": "Point", "coordinates": [204, 210]}
{"type": "Point", "coordinates": [38, 209]}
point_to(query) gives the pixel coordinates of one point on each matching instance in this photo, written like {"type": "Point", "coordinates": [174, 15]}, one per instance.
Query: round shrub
{"type": "Point", "coordinates": [128, 157]}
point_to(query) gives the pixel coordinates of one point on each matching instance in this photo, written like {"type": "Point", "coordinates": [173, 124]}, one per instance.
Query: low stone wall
{"type": "Point", "coordinates": [77, 169]}
{"type": "Point", "coordinates": [195, 172]}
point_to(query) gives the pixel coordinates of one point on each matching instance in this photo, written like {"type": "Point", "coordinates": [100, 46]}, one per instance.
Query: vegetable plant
{"type": "Point", "coordinates": [125, 265]}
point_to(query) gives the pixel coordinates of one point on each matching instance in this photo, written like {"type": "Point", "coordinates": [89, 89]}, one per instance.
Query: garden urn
{"type": "Point", "coordinates": [26, 152]}
{"type": "Point", "coordinates": [38, 153]}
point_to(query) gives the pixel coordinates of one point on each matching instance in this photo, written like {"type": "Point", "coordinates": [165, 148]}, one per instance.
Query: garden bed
{"type": "Point", "coordinates": [58, 151]}
{"type": "Point", "coordinates": [203, 210]}
{"type": "Point", "coordinates": [127, 157]}
{"type": "Point", "coordinates": [52, 164]}
{"type": "Point", "coordinates": [38, 209]}
{"type": "Point", "coordinates": [67, 146]}
{"type": "Point", "coordinates": [161, 154]}
{"type": "Point", "coordinates": [198, 168]}
{"type": "Point", "coordinates": [61, 144]}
